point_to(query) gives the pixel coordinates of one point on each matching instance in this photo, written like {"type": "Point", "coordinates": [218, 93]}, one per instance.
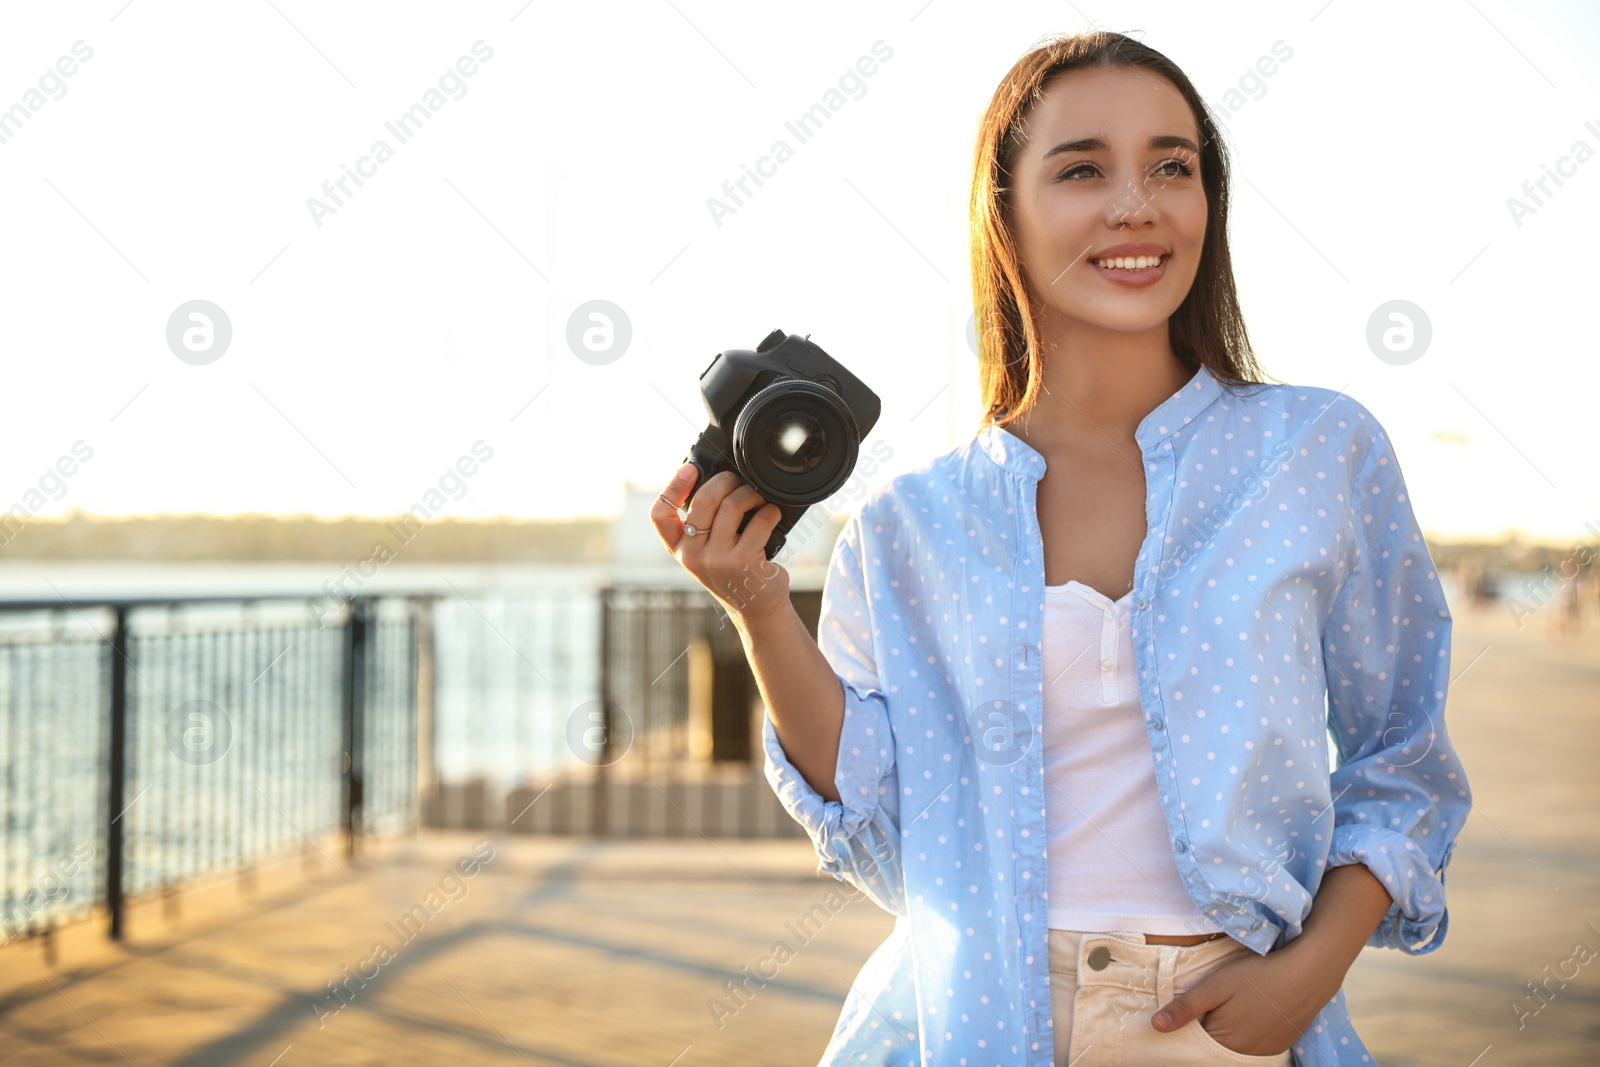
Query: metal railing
{"type": "Point", "coordinates": [149, 744]}
{"type": "Point", "coordinates": [649, 643]}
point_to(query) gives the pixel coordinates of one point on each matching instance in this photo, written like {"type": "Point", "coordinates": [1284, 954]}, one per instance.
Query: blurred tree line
{"type": "Point", "coordinates": [302, 537]}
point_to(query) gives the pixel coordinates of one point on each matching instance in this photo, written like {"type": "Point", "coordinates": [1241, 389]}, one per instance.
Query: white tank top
{"type": "Point", "coordinates": [1108, 846]}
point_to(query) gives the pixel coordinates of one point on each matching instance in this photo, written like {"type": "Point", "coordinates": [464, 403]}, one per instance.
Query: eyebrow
{"type": "Point", "coordinates": [1098, 144]}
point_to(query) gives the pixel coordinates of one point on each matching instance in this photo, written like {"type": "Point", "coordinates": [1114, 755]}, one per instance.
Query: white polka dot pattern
{"type": "Point", "coordinates": [1282, 594]}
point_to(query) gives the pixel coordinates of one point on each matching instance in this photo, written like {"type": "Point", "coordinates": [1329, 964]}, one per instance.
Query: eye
{"type": "Point", "coordinates": [1071, 172]}
{"type": "Point", "coordinates": [1184, 169]}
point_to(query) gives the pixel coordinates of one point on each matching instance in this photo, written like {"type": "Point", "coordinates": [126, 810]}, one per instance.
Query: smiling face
{"type": "Point", "coordinates": [1107, 204]}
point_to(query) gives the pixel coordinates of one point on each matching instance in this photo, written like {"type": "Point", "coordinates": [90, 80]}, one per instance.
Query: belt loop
{"type": "Point", "coordinates": [1165, 971]}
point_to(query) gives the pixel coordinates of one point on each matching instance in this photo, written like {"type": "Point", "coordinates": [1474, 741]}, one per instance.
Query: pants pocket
{"type": "Point", "coordinates": [1216, 1052]}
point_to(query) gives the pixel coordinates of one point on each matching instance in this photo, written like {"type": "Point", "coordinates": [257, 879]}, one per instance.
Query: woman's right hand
{"type": "Point", "coordinates": [732, 565]}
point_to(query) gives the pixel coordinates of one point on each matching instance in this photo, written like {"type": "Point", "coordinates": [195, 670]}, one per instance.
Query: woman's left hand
{"type": "Point", "coordinates": [1258, 1005]}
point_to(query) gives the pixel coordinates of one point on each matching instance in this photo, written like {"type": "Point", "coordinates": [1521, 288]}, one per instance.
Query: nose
{"type": "Point", "coordinates": [1131, 205]}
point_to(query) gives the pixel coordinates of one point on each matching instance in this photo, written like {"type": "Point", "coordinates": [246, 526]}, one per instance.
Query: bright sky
{"type": "Point", "coordinates": [429, 310]}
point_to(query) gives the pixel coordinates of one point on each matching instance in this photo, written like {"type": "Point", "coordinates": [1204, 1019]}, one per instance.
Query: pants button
{"type": "Point", "coordinates": [1099, 958]}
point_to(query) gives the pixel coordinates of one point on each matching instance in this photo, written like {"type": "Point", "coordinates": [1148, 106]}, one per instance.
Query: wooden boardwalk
{"type": "Point", "coordinates": [568, 951]}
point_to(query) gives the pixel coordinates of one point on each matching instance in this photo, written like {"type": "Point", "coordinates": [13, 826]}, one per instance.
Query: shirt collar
{"type": "Point", "coordinates": [1171, 415]}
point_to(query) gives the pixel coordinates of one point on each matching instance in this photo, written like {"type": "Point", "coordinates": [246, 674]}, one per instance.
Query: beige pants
{"type": "Point", "coordinates": [1104, 988]}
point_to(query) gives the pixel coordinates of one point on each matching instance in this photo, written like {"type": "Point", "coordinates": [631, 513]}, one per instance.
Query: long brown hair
{"type": "Point", "coordinates": [1207, 328]}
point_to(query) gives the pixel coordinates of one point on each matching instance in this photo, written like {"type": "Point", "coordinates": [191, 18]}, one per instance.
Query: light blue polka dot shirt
{"type": "Point", "coordinates": [1283, 592]}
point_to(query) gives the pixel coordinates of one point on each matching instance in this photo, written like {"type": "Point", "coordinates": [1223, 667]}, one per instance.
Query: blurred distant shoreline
{"type": "Point", "coordinates": [300, 538]}
{"type": "Point", "coordinates": [180, 538]}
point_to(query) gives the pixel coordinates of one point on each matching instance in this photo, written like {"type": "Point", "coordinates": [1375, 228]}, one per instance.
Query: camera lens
{"type": "Point", "coordinates": [795, 442]}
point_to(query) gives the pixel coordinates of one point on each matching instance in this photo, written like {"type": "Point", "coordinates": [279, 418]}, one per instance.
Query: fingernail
{"type": "Point", "coordinates": [1162, 1018]}
{"type": "Point", "coordinates": [684, 472]}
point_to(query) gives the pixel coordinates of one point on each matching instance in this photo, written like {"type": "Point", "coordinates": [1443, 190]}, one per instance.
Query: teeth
{"type": "Point", "coordinates": [1129, 262]}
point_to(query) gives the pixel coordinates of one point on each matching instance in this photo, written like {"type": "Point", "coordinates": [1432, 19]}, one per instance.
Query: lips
{"type": "Point", "coordinates": [1130, 249]}
{"type": "Point", "coordinates": [1128, 262]}
{"type": "Point", "coordinates": [1143, 267]}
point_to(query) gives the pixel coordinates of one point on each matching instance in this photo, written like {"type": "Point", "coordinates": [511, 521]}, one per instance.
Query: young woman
{"type": "Point", "coordinates": [1067, 712]}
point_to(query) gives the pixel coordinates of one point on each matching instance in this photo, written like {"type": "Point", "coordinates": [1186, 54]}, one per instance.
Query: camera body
{"type": "Point", "coordinates": [788, 419]}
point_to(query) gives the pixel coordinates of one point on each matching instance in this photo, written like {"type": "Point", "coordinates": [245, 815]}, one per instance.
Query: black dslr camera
{"type": "Point", "coordinates": [788, 419]}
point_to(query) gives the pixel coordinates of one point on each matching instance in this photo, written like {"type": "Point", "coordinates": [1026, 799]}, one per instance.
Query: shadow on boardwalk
{"type": "Point", "coordinates": [569, 951]}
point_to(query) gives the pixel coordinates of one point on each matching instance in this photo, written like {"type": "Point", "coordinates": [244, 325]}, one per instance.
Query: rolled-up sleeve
{"type": "Point", "coordinates": [857, 837]}
{"type": "Point", "coordinates": [1400, 793]}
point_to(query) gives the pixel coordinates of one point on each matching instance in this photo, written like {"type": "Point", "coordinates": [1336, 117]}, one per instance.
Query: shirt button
{"type": "Point", "coordinates": [1182, 845]}
{"type": "Point", "coordinates": [1105, 665]}
{"type": "Point", "coordinates": [1159, 725]}
{"type": "Point", "coordinates": [1111, 615]}
{"type": "Point", "coordinates": [1143, 603]}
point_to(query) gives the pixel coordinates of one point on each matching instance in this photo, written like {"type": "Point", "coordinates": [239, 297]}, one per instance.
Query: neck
{"type": "Point", "coordinates": [1099, 384]}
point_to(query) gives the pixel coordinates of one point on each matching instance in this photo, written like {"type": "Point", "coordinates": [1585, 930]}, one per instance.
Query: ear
{"type": "Point", "coordinates": [1201, 998]}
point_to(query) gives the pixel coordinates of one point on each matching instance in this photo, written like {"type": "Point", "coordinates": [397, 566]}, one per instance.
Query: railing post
{"type": "Point", "coordinates": [355, 662]}
{"type": "Point", "coordinates": [427, 776]}
{"type": "Point", "coordinates": [117, 786]}
{"type": "Point", "coordinates": [597, 809]}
